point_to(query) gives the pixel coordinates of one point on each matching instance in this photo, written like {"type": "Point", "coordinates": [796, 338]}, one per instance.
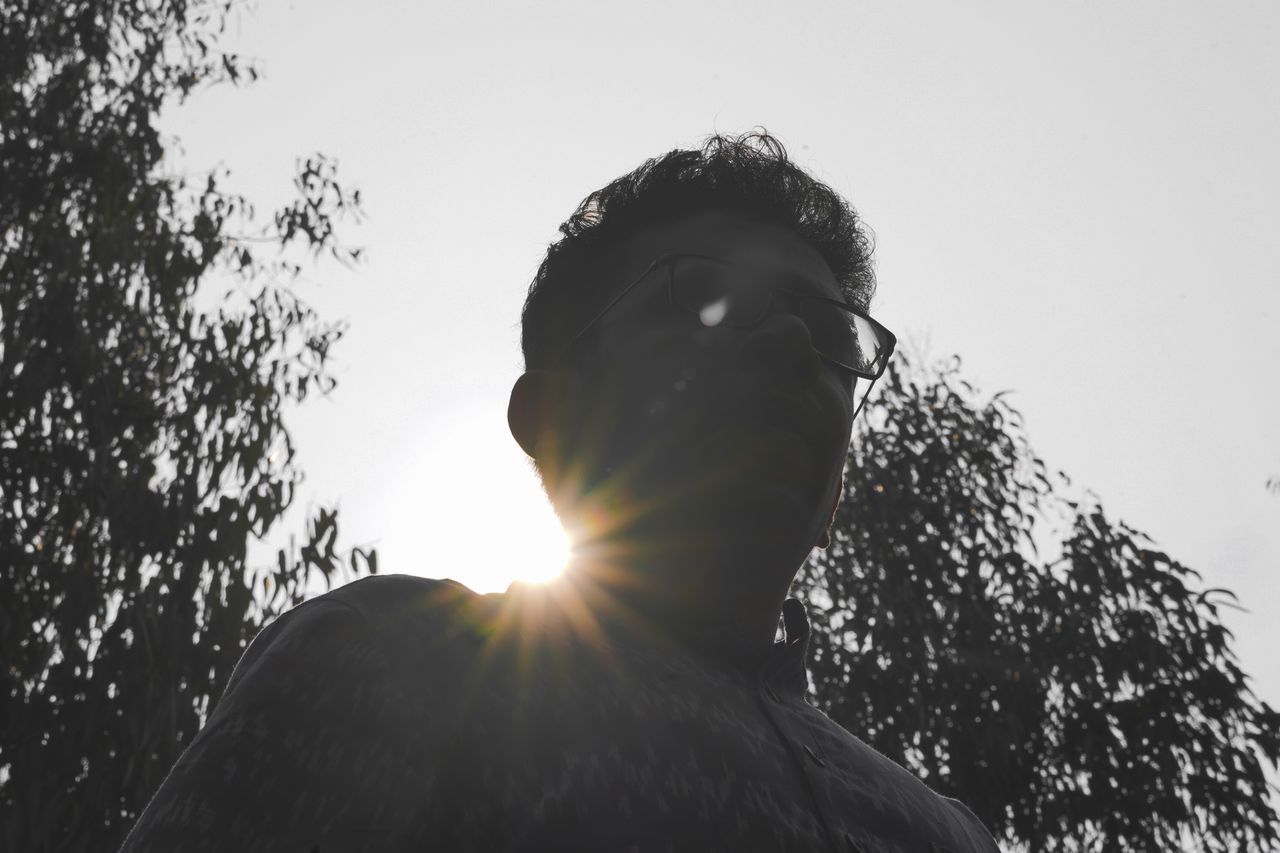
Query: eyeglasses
{"type": "Point", "coordinates": [720, 292]}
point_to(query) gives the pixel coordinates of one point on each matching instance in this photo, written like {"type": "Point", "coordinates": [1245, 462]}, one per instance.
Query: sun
{"type": "Point", "coordinates": [468, 506]}
{"type": "Point", "coordinates": [548, 552]}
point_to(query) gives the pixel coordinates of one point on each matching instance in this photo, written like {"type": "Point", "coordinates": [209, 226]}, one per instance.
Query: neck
{"type": "Point", "coordinates": [725, 612]}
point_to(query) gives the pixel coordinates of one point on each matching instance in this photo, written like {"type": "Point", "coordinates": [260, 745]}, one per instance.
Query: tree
{"type": "Point", "coordinates": [142, 441]}
{"type": "Point", "coordinates": [1023, 652]}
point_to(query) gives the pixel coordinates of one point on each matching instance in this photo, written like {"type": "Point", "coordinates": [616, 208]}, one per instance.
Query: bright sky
{"type": "Point", "coordinates": [1078, 198]}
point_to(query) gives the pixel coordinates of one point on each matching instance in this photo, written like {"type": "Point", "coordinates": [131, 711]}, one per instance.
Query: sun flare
{"type": "Point", "coordinates": [474, 509]}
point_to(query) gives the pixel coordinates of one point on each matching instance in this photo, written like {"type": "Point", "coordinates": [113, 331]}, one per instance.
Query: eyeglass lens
{"type": "Point", "coordinates": [720, 293]}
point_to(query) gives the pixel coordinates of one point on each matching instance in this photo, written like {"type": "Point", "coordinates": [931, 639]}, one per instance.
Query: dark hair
{"type": "Point", "coordinates": [748, 173]}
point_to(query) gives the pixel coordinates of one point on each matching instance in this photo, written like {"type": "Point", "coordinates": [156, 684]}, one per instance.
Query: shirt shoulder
{"type": "Point", "coordinates": [952, 816]}
{"type": "Point", "coordinates": [904, 805]}
{"type": "Point", "coordinates": [979, 833]}
{"type": "Point", "coordinates": [373, 596]}
{"type": "Point", "coordinates": [329, 729]}
{"type": "Point", "coordinates": [391, 601]}
{"type": "Point", "coordinates": [385, 620]}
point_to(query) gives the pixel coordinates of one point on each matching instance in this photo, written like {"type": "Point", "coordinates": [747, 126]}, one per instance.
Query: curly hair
{"type": "Point", "coordinates": [749, 173]}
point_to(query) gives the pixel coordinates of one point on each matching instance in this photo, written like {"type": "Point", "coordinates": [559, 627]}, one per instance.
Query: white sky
{"type": "Point", "coordinates": [1078, 198]}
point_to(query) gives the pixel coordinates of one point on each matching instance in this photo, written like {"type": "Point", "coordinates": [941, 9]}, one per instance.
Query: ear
{"type": "Point", "coordinates": [824, 541]}
{"type": "Point", "coordinates": [536, 411]}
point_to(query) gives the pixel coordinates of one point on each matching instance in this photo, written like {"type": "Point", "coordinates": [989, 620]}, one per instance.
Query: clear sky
{"type": "Point", "coordinates": [1078, 198]}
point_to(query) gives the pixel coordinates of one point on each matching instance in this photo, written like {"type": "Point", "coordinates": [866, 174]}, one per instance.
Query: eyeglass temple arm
{"type": "Point", "coordinates": [615, 300]}
{"type": "Point", "coordinates": [864, 399]}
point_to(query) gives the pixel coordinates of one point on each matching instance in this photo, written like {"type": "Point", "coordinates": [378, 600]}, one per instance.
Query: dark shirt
{"type": "Point", "coordinates": [405, 714]}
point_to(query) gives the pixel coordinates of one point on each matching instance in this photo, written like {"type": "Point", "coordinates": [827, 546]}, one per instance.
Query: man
{"type": "Point", "coordinates": [693, 349]}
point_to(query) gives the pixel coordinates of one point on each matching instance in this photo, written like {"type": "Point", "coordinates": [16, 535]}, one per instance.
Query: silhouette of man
{"type": "Point", "coordinates": [693, 346]}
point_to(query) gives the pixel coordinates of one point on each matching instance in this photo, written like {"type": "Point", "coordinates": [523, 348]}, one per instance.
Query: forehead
{"type": "Point", "coordinates": [733, 236]}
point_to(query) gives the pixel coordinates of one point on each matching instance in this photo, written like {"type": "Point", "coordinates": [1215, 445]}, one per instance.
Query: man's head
{"type": "Point", "coordinates": [663, 430]}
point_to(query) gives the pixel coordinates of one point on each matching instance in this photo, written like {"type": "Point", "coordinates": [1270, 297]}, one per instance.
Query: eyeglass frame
{"type": "Point", "coordinates": [670, 257]}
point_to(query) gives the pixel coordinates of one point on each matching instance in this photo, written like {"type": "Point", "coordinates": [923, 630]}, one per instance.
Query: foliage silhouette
{"type": "Point", "coordinates": [142, 446]}
{"type": "Point", "coordinates": [1023, 652]}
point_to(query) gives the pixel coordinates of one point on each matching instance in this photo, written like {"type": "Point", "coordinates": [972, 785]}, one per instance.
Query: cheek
{"type": "Point", "coordinates": [671, 358]}
{"type": "Point", "coordinates": [638, 379]}
{"type": "Point", "coordinates": [848, 389]}
{"type": "Point", "coordinates": [843, 389]}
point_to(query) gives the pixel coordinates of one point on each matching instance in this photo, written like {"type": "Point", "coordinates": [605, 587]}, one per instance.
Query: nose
{"type": "Point", "coordinates": [781, 347]}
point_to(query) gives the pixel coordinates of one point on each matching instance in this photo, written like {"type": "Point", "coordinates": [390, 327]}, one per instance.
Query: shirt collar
{"type": "Point", "coordinates": [787, 668]}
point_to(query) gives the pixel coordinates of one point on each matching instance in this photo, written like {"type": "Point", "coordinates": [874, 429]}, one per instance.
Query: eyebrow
{"type": "Point", "coordinates": [791, 279]}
